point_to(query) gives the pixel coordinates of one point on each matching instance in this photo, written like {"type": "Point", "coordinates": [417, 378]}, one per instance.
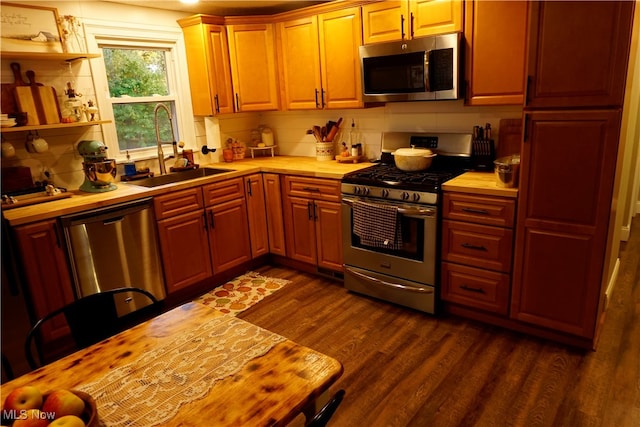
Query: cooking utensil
{"type": "Point", "coordinates": [334, 130]}
{"type": "Point", "coordinates": [413, 159]}
{"type": "Point", "coordinates": [8, 101]}
{"type": "Point", "coordinates": [45, 99]}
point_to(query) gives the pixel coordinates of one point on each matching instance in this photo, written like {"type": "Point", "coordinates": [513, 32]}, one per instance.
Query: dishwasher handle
{"type": "Point", "coordinates": [107, 215]}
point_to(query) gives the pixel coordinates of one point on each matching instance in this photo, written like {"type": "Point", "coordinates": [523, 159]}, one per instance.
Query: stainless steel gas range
{"type": "Point", "coordinates": [391, 221]}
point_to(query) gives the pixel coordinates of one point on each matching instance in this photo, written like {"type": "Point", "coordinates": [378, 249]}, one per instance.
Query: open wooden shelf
{"type": "Point", "coordinates": [68, 57]}
{"type": "Point", "coordinates": [54, 126]}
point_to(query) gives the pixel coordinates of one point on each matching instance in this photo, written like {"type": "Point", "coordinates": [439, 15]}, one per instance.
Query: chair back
{"type": "Point", "coordinates": [94, 318]}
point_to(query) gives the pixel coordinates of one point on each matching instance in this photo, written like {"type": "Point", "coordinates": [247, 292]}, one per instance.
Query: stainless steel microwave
{"type": "Point", "coordinates": [412, 70]}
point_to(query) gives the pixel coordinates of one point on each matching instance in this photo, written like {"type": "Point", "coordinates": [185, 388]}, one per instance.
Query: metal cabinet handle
{"type": "Point", "coordinates": [402, 26]}
{"type": "Point", "coordinates": [309, 211]}
{"type": "Point", "coordinates": [411, 25]}
{"type": "Point", "coordinates": [317, 104]}
{"type": "Point", "coordinates": [474, 247]}
{"type": "Point", "coordinates": [472, 289]}
{"type": "Point", "coordinates": [323, 104]}
{"type": "Point", "coordinates": [249, 187]}
{"type": "Point", "coordinates": [476, 211]}
{"type": "Point", "coordinates": [204, 220]}
{"type": "Point", "coordinates": [217, 103]}
{"type": "Point", "coordinates": [237, 103]}
{"type": "Point", "coordinates": [211, 223]}
{"type": "Point", "coordinates": [314, 189]}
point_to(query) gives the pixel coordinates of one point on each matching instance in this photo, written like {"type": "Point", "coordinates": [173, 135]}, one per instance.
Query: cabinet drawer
{"type": "Point", "coordinates": [472, 287]}
{"type": "Point", "coordinates": [313, 188]}
{"type": "Point", "coordinates": [178, 202]}
{"type": "Point", "coordinates": [223, 191]}
{"type": "Point", "coordinates": [477, 245]}
{"type": "Point", "coordinates": [481, 210]}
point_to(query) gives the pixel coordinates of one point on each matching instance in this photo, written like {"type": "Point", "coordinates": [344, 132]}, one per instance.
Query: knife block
{"type": "Point", "coordinates": [483, 153]}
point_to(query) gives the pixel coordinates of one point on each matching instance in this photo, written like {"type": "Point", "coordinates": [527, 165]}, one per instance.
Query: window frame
{"type": "Point", "coordinates": [170, 39]}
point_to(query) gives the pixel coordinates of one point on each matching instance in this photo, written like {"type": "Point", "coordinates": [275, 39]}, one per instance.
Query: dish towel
{"type": "Point", "coordinates": [377, 225]}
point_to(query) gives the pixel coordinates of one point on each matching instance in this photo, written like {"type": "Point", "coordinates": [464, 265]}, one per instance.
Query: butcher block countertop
{"type": "Point", "coordinates": [482, 183]}
{"type": "Point", "coordinates": [128, 191]}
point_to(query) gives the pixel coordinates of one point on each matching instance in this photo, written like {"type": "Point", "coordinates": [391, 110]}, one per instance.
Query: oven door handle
{"type": "Point", "coordinates": [403, 211]}
{"type": "Point", "coordinates": [389, 284]}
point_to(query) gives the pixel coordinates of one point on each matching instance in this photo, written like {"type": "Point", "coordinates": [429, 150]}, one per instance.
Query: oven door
{"type": "Point", "coordinates": [414, 260]}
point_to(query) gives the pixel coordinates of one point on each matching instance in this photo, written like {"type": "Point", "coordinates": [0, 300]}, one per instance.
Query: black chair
{"type": "Point", "coordinates": [94, 318]}
{"type": "Point", "coordinates": [322, 417]}
{"type": "Point", "coordinates": [6, 367]}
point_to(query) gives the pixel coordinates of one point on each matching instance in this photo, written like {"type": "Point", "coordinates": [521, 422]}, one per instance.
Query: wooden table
{"type": "Point", "coordinates": [271, 389]}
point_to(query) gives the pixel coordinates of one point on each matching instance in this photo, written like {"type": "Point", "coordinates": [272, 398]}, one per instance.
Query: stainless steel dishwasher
{"type": "Point", "coordinates": [114, 247]}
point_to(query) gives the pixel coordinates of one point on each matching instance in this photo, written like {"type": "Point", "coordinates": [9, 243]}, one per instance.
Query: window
{"type": "Point", "coordinates": [138, 81]}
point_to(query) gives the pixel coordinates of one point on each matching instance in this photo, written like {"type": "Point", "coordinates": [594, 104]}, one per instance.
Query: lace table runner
{"type": "Point", "coordinates": [151, 390]}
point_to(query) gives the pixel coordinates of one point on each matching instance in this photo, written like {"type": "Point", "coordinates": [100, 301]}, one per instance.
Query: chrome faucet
{"type": "Point", "coordinates": [161, 158]}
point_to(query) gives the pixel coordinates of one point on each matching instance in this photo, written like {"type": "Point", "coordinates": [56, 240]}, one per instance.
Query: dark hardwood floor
{"type": "Point", "coordinates": [405, 368]}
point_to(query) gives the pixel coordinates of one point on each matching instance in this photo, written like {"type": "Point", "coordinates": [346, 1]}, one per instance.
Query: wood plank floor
{"type": "Point", "coordinates": [405, 368]}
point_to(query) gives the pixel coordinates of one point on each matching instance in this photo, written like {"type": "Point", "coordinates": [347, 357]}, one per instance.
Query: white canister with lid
{"type": "Point", "coordinates": [267, 136]}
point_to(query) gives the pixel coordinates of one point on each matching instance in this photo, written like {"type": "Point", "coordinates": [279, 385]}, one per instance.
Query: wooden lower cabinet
{"type": "Point", "coordinates": [185, 250]}
{"type": "Point", "coordinates": [477, 247]}
{"type": "Point", "coordinates": [256, 214]}
{"type": "Point", "coordinates": [566, 187]}
{"type": "Point", "coordinates": [46, 273]}
{"type": "Point", "coordinates": [274, 213]}
{"type": "Point", "coordinates": [184, 244]}
{"type": "Point", "coordinates": [228, 234]}
{"type": "Point", "coordinates": [203, 231]}
{"type": "Point", "coordinates": [312, 217]}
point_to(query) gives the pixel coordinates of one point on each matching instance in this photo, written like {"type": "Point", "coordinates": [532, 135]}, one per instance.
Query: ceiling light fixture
{"type": "Point", "coordinates": [189, 1]}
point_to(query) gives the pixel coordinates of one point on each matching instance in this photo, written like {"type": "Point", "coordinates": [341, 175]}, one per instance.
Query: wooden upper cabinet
{"type": "Point", "coordinates": [578, 53]}
{"type": "Point", "coordinates": [320, 61]}
{"type": "Point", "coordinates": [253, 66]}
{"type": "Point", "coordinates": [430, 17]}
{"type": "Point", "coordinates": [340, 39]}
{"type": "Point", "coordinates": [300, 59]}
{"type": "Point", "coordinates": [401, 20]}
{"type": "Point", "coordinates": [208, 65]}
{"type": "Point", "coordinates": [495, 51]}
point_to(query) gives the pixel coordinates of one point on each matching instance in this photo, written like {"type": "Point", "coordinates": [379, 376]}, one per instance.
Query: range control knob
{"type": "Point", "coordinates": [385, 193]}
{"type": "Point", "coordinates": [405, 195]}
{"type": "Point", "coordinates": [356, 190]}
{"type": "Point", "coordinates": [416, 197]}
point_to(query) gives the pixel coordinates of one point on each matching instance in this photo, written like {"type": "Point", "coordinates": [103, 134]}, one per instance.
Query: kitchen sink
{"type": "Point", "coordinates": [170, 178]}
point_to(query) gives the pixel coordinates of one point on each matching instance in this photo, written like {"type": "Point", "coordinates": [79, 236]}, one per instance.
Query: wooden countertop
{"type": "Point", "coordinates": [128, 191]}
{"type": "Point", "coordinates": [483, 183]}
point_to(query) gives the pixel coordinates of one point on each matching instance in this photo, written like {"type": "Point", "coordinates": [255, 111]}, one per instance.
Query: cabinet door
{"type": "Point", "coordinates": [221, 70]}
{"type": "Point", "coordinates": [496, 45]}
{"type": "Point", "coordinates": [208, 66]}
{"type": "Point", "coordinates": [300, 229]}
{"type": "Point", "coordinates": [429, 17]}
{"type": "Point", "coordinates": [253, 66]}
{"type": "Point", "coordinates": [579, 61]}
{"type": "Point", "coordinates": [328, 217]}
{"type": "Point", "coordinates": [256, 213]}
{"type": "Point", "coordinates": [48, 280]}
{"type": "Point", "coordinates": [385, 21]}
{"type": "Point", "coordinates": [275, 220]}
{"type": "Point", "coordinates": [300, 59]}
{"type": "Point", "coordinates": [566, 185]}
{"type": "Point", "coordinates": [228, 234]}
{"type": "Point", "coordinates": [340, 38]}
{"type": "Point", "coordinates": [185, 250]}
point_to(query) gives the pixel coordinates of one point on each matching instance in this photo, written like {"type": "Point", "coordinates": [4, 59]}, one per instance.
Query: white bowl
{"type": "Point", "coordinates": [6, 123]}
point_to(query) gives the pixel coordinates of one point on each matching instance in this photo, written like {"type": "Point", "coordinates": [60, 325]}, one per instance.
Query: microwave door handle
{"type": "Point", "coordinates": [427, 87]}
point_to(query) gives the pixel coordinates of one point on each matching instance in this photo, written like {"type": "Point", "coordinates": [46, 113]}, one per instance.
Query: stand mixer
{"type": "Point", "coordinates": [99, 171]}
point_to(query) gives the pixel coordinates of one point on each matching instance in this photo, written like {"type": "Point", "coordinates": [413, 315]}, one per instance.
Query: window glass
{"type": "Point", "coordinates": [138, 81]}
